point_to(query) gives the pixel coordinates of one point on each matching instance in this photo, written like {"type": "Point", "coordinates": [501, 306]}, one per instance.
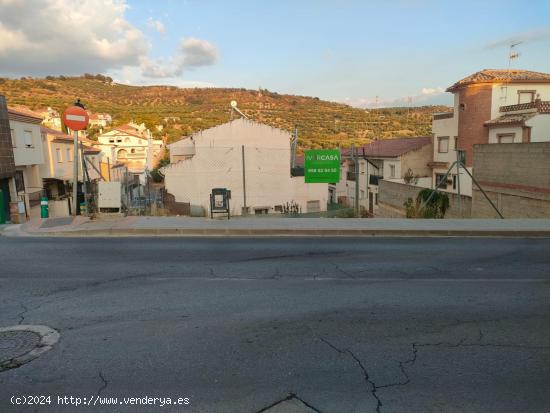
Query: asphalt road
{"type": "Point", "coordinates": [237, 324]}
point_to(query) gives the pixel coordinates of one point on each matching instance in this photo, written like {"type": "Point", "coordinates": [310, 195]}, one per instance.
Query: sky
{"type": "Point", "coordinates": [364, 53]}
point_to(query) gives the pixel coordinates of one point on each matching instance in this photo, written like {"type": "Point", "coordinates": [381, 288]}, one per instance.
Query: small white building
{"type": "Point", "coordinates": [213, 158]}
{"type": "Point", "coordinates": [28, 156]}
{"type": "Point", "coordinates": [132, 145]}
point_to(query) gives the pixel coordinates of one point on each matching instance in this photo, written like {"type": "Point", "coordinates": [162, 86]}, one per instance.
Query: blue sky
{"type": "Point", "coordinates": [343, 50]}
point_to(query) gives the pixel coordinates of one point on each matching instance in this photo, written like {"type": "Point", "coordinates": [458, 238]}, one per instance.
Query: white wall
{"type": "Point", "coordinates": [494, 132]}
{"type": "Point", "coordinates": [540, 131]}
{"type": "Point", "coordinates": [504, 95]}
{"type": "Point", "coordinates": [217, 163]}
{"type": "Point", "coordinates": [22, 154]}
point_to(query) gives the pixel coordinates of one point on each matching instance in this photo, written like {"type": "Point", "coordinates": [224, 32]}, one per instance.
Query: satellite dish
{"type": "Point", "coordinates": [233, 103]}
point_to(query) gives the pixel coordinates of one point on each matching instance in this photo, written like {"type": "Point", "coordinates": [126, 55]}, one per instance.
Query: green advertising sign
{"type": "Point", "coordinates": [322, 166]}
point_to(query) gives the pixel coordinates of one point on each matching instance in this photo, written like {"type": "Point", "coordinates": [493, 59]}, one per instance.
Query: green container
{"type": "Point", "coordinates": [83, 208]}
{"type": "Point", "coordinates": [44, 211]}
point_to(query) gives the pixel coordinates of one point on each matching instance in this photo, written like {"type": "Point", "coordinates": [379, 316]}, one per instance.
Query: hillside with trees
{"type": "Point", "coordinates": [182, 111]}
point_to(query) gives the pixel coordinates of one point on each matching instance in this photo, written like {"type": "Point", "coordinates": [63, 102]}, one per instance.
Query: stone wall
{"type": "Point", "coordinates": [516, 177]}
{"type": "Point", "coordinates": [392, 196]}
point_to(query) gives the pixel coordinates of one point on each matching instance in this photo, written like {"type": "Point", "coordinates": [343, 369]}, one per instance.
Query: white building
{"type": "Point", "coordinates": [213, 158]}
{"type": "Point", "coordinates": [132, 145]}
{"type": "Point", "coordinates": [490, 106]}
{"type": "Point", "coordinates": [390, 159]}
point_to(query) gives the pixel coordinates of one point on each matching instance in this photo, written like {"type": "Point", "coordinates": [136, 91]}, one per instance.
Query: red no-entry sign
{"type": "Point", "coordinates": [76, 118]}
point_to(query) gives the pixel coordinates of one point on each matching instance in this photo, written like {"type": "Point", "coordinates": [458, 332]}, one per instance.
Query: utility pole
{"type": "Point", "coordinates": [245, 208]}
{"type": "Point", "coordinates": [356, 173]}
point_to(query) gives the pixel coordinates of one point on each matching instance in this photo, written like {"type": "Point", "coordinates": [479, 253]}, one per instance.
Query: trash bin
{"type": "Point", "coordinates": [44, 211]}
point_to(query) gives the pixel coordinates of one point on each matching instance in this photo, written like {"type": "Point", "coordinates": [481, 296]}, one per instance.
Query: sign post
{"type": "Point", "coordinates": [322, 166]}
{"type": "Point", "coordinates": [75, 118]}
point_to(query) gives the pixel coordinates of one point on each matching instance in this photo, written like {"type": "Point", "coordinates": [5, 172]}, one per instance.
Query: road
{"type": "Point", "coordinates": [238, 324]}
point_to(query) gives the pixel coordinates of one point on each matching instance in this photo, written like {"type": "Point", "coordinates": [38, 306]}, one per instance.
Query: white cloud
{"type": "Point", "coordinates": [67, 37]}
{"type": "Point", "coordinates": [192, 53]}
{"type": "Point", "coordinates": [157, 25]}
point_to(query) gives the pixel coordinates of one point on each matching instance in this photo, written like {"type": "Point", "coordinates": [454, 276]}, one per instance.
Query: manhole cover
{"type": "Point", "coordinates": [23, 343]}
{"type": "Point", "coordinates": [16, 343]}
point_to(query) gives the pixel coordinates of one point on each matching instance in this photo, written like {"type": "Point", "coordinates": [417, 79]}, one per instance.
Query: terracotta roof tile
{"type": "Point", "coordinates": [501, 75]}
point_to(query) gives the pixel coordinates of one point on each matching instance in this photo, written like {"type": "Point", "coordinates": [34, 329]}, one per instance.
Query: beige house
{"type": "Point", "coordinates": [390, 159]}
{"type": "Point", "coordinates": [250, 159]}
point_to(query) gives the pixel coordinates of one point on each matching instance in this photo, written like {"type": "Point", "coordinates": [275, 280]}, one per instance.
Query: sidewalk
{"type": "Point", "coordinates": [252, 226]}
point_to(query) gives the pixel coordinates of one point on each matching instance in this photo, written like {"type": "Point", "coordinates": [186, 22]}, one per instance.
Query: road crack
{"type": "Point", "coordinates": [104, 385]}
{"type": "Point", "coordinates": [364, 370]}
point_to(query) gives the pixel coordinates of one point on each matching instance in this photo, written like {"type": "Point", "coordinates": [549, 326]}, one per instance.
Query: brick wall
{"type": "Point", "coordinates": [516, 177]}
{"type": "Point", "coordinates": [392, 196]}
{"type": "Point", "coordinates": [476, 110]}
{"type": "Point", "coordinates": [7, 165]}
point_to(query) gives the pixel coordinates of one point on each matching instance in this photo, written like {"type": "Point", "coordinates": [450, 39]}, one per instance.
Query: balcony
{"type": "Point", "coordinates": [441, 116]}
{"type": "Point", "coordinates": [541, 106]}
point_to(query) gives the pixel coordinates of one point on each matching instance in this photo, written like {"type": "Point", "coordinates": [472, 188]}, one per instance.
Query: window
{"type": "Point", "coordinates": [58, 155]}
{"type": "Point", "coordinates": [13, 141]}
{"type": "Point", "coordinates": [462, 107]}
{"type": "Point", "coordinates": [439, 179]}
{"type": "Point", "coordinates": [69, 154]}
{"type": "Point", "coordinates": [392, 171]}
{"type": "Point", "coordinates": [376, 198]}
{"type": "Point", "coordinates": [126, 140]}
{"type": "Point", "coordinates": [362, 167]}
{"type": "Point", "coordinates": [443, 144]}
{"type": "Point", "coordinates": [119, 140]}
{"type": "Point", "coordinates": [454, 181]}
{"type": "Point", "coordinates": [456, 142]}
{"type": "Point", "coordinates": [526, 96]}
{"type": "Point", "coordinates": [111, 141]}
{"type": "Point", "coordinates": [28, 139]}
{"type": "Point", "coordinates": [506, 137]}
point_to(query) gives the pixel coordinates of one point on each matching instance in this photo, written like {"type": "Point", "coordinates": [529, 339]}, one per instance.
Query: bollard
{"type": "Point", "coordinates": [44, 212]}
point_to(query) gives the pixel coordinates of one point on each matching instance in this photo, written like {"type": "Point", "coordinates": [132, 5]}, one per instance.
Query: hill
{"type": "Point", "coordinates": [321, 124]}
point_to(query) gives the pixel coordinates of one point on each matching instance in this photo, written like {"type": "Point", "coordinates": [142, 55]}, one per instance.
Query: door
{"type": "Point", "coordinates": [4, 201]}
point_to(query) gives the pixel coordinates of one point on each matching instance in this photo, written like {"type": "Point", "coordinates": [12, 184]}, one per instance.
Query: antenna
{"type": "Point", "coordinates": [234, 107]}
{"type": "Point", "coordinates": [511, 56]}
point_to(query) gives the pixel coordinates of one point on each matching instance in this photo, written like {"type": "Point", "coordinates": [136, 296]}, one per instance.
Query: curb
{"type": "Point", "coordinates": [238, 232]}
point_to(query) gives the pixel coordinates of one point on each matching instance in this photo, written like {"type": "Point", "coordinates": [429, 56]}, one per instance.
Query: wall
{"type": "Point", "coordinates": [494, 131]}
{"type": "Point", "coordinates": [516, 177]}
{"type": "Point", "coordinates": [7, 164]}
{"type": "Point", "coordinates": [511, 93]}
{"type": "Point", "coordinates": [22, 154]}
{"type": "Point", "coordinates": [417, 161]}
{"type": "Point", "coordinates": [540, 124]}
{"type": "Point", "coordinates": [477, 110]}
{"type": "Point", "coordinates": [392, 196]}
{"type": "Point", "coordinates": [217, 163]}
